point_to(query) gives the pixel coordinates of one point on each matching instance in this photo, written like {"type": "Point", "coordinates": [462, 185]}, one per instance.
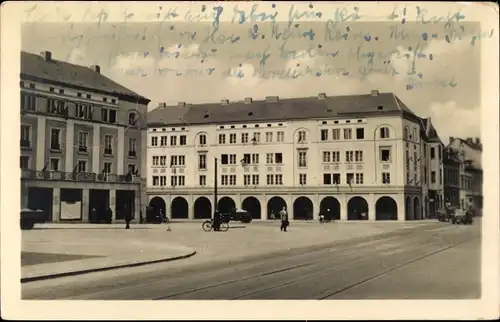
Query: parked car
{"type": "Point", "coordinates": [462, 217]}
{"type": "Point", "coordinates": [237, 215]}
{"type": "Point", "coordinates": [30, 217]}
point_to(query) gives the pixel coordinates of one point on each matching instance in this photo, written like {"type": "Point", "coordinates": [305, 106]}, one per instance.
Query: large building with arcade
{"type": "Point", "coordinates": [363, 157]}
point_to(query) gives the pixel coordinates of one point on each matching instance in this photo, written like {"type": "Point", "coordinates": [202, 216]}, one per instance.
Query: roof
{"type": "Point", "coordinates": [278, 109]}
{"type": "Point", "coordinates": [473, 145]}
{"type": "Point", "coordinates": [62, 72]}
{"type": "Point", "coordinates": [429, 131]}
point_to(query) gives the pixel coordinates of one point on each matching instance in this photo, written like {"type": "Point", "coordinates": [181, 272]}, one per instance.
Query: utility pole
{"type": "Point", "coordinates": [215, 186]}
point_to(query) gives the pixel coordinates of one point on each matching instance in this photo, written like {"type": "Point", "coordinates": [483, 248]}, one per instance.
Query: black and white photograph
{"type": "Point", "coordinates": [180, 154]}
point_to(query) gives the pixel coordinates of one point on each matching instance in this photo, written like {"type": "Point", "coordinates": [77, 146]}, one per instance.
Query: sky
{"type": "Point", "coordinates": [132, 53]}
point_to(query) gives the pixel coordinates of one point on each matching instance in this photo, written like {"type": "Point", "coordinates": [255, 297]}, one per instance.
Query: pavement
{"type": "Point", "coordinates": [309, 262]}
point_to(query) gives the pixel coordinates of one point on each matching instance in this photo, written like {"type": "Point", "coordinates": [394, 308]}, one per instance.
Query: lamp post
{"type": "Point", "coordinates": [215, 187]}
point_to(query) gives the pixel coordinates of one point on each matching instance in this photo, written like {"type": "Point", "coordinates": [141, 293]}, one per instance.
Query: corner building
{"type": "Point", "coordinates": [359, 156]}
{"type": "Point", "coordinates": [83, 141]}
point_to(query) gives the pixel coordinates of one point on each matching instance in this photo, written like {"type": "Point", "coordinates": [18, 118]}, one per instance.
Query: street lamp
{"type": "Point", "coordinates": [215, 187]}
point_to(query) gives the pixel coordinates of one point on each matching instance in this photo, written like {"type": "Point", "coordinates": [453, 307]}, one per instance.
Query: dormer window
{"type": "Point", "coordinates": [132, 118]}
{"type": "Point", "coordinates": [301, 137]}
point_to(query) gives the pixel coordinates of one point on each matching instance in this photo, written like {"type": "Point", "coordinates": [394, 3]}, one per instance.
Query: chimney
{"type": "Point", "coordinates": [451, 138]}
{"type": "Point", "coordinates": [469, 140]}
{"type": "Point", "coordinates": [248, 100]}
{"type": "Point", "coordinates": [321, 96]}
{"type": "Point", "coordinates": [375, 92]}
{"type": "Point", "coordinates": [181, 104]}
{"type": "Point", "coordinates": [47, 55]}
{"type": "Point", "coordinates": [162, 105]}
{"type": "Point", "coordinates": [478, 141]}
{"type": "Point", "coordinates": [96, 68]}
{"type": "Point", "coordinates": [272, 99]}
{"type": "Point", "coordinates": [224, 102]}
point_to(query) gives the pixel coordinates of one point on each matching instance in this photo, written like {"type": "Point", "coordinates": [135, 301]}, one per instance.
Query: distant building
{"type": "Point", "coordinates": [364, 157]}
{"type": "Point", "coordinates": [471, 172]}
{"type": "Point", "coordinates": [83, 141]}
{"type": "Point", "coordinates": [452, 169]}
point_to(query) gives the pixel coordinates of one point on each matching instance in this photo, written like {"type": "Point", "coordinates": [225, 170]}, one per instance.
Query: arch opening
{"type": "Point", "coordinates": [156, 205]}
{"type": "Point", "coordinates": [357, 209]}
{"type": "Point", "coordinates": [274, 206]}
{"type": "Point", "coordinates": [330, 207]}
{"type": "Point", "coordinates": [179, 208]}
{"type": "Point", "coordinates": [226, 204]}
{"type": "Point", "coordinates": [252, 205]}
{"type": "Point", "coordinates": [386, 208]}
{"type": "Point", "coordinates": [408, 210]}
{"type": "Point", "coordinates": [303, 209]}
{"type": "Point", "coordinates": [202, 208]}
{"type": "Point", "coordinates": [416, 209]}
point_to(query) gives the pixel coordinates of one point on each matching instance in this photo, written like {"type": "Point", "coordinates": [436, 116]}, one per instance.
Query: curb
{"type": "Point", "coordinates": [101, 269]}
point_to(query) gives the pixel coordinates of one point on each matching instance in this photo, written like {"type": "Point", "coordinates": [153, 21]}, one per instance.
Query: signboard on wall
{"type": "Point", "coordinates": [71, 210]}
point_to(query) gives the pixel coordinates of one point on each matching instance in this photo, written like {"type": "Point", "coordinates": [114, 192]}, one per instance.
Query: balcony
{"type": "Point", "coordinates": [132, 154]}
{"type": "Point", "coordinates": [78, 176]}
{"type": "Point", "coordinates": [25, 144]}
{"type": "Point", "coordinates": [83, 149]}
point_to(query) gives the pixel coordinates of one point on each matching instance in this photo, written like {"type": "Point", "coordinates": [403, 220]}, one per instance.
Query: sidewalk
{"type": "Point", "coordinates": [50, 251]}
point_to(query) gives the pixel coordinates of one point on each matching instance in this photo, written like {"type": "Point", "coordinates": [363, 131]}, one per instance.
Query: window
{"type": "Point", "coordinates": [182, 140]}
{"type": "Point", "coordinates": [83, 139]}
{"type": "Point", "coordinates": [278, 179]}
{"type": "Point", "coordinates": [386, 177]}
{"type": "Point", "coordinates": [57, 107]}
{"type": "Point", "coordinates": [324, 135]}
{"type": "Point", "coordinates": [232, 180]}
{"type": "Point", "coordinates": [222, 139]}
{"type": "Point", "coordinates": [232, 138]}
{"type": "Point", "coordinates": [385, 154]}
{"type": "Point", "coordinates": [132, 147]}
{"type": "Point", "coordinates": [203, 139]}
{"type": "Point", "coordinates": [303, 179]}
{"type": "Point", "coordinates": [108, 144]}
{"type": "Point", "coordinates": [270, 179]}
{"type": "Point", "coordinates": [55, 139]}
{"type": "Point", "coordinates": [347, 134]}
{"type": "Point", "coordinates": [203, 180]}
{"type": "Point", "coordinates": [433, 176]}
{"type": "Point", "coordinates": [384, 133]}
{"type": "Point", "coordinates": [278, 158]}
{"type": "Point", "coordinates": [232, 159]}
{"type": "Point", "coordinates": [132, 118]}
{"type": "Point", "coordinates": [336, 178]}
{"type": "Point", "coordinates": [132, 169]}
{"type": "Point", "coordinates": [82, 166]}
{"type": "Point", "coordinates": [440, 176]}
{"type": "Point", "coordinates": [51, 89]}
{"type": "Point", "coordinates": [244, 137]}
{"type": "Point", "coordinates": [182, 180]}
{"type": "Point", "coordinates": [163, 160]}
{"type": "Point", "coordinates": [107, 167]}
{"type": "Point", "coordinates": [302, 159]}
{"type": "Point", "coordinates": [433, 153]}
{"type": "Point", "coordinates": [246, 159]}
{"type": "Point", "coordinates": [224, 180]}
{"type": "Point", "coordinates": [246, 179]}
{"type": "Point", "coordinates": [173, 140]}
{"type": "Point", "coordinates": [327, 178]}
{"type": "Point", "coordinates": [269, 136]}
{"type": "Point", "coordinates": [349, 156]}
{"type": "Point", "coordinates": [415, 137]}
{"type": "Point", "coordinates": [24, 162]}
{"type": "Point", "coordinates": [174, 160]}
{"type": "Point", "coordinates": [336, 156]}
{"type": "Point", "coordinates": [280, 136]}
{"type": "Point", "coordinates": [25, 136]}
{"type": "Point", "coordinates": [163, 140]}
{"type": "Point", "coordinates": [156, 180]}
{"type": "Point", "coordinates": [202, 162]}
{"type": "Point", "coordinates": [256, 138]}
{"type": "Point", "coordinates": [154, 141]}
{"type": "Point", "coordinates": [32, 85]}
{"type": "Point", "coordinates": [269, 158]}
{"type": "Point", "coordinates": [84, 111]}
{"type": "Point", "coordinates": [156, 160]}
{"type": "Point", "coordinates": [255, 179]}
{"type": "Point", "coordinates": [104, 114]}
{"type": "Point", "coordinates": [327, 156]}
{"type": "Point", "coordinates": [173, 181]}
{"type": "Point", "coordinates": [406, 133]}
{"type": "Point", "coordinates": [28, 102]}
{"type": "Point", "coordinates": [224, 159]}
{"type": "Point", "coordinates": [336, 134]}
{"type": "Point", "coordinates": [54, 164]}
{"type": "Point", "coordinates": [360, 133]}
{"type": "Point", "coordinates": [349, 178]}
{"type": "Point", "coordinates": [302, 137]}
{"type": "Point", "coordinates": [359, 178]}
{"type": "Point", "coordinates": [359, 156]}
{"type": "Point", "coordinates": [163, 181]}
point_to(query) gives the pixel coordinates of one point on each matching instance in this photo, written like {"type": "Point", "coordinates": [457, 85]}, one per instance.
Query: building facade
{"type": "Point", "coordinates": [453, 166]}
{"type": "Point", "coordinates": [469, 151]}
{"type": "Point", "coordinates": [83, 141]}
{"type": "Point", "coordinates": [360, 156]}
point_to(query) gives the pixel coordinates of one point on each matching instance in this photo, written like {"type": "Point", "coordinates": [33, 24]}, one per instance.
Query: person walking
{"type": "Point", "coordinates": [217, 221]}
{"type": "Point", "coordinates": [128, 217]}
{"type": "Point", "coordinates": [284, 219]}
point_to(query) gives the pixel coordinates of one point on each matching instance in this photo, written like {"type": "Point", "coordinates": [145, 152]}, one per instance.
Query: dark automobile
{"type": "Point", "coordinates": [237, 215]}
{"type": "Point", "coordinates": [30, 217]}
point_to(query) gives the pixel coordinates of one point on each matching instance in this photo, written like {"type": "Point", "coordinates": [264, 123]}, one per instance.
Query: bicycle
{"type": "Point", "coordinates": [208, 225]}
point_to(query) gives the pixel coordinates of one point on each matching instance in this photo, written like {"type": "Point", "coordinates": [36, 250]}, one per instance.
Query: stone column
{"type": "Point", "coordinates": [112, 201]}
{"type": "Point", "coordinates": [56, 204]}
{"type": "Point", "coordinates": [343, 207]}
{"type": "Point", "coordinates": [371, 207]}
{"type": "Point", "coordinates": [263, 202]}
{"type": "Point", "coordinates": [401, 206]}
{"type": "Point", "coordinates": [190, 200]}
{"type": "Point", "coordinates": [315, 202]}
{"type": "Point", "coordinates": [85, 205]}
{"type": "Point", "coordinates": [168, 203]}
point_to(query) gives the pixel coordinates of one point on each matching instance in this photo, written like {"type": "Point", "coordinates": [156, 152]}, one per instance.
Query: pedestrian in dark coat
{"type": "Point", "coordinates": [128, 217]}
{"type": "Point", "coordinates": [284, 219]}
{"type": "Point", "coordinates": [109, 215]}
{"type": "Point", "coordinates": [217, 221]}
